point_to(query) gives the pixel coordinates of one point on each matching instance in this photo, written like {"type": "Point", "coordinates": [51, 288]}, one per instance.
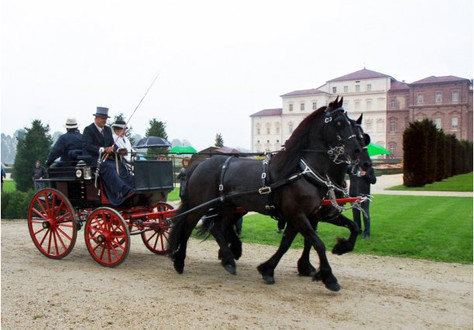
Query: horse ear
{"type": "Point", "coordinates": [366, 139]}
{"type": "Point", "coordinates": [341, 102]}
{"type": "Point", "coordinates": [359, 120]}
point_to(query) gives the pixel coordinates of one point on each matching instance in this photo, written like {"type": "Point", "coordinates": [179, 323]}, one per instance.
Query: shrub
{"type": "Point", "coordinates": [15, 204]}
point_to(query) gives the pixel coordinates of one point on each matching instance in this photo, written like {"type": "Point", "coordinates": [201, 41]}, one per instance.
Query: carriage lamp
{"type": "Point", "coordinates": [83, 171]}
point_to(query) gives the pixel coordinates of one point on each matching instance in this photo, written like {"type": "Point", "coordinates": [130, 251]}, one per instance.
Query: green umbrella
{"type": "Point", "coordinates": [375, 149]}
{"type": "Point", "coordinates": [183, 150]}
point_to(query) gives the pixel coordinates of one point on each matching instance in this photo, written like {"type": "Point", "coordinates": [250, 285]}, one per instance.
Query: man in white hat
{"type": "Point", "coordinates": [67, 143]}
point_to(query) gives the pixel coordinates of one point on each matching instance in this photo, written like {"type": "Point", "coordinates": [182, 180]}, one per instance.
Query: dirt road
{"type": "Point", "coordinates": [146, 293]}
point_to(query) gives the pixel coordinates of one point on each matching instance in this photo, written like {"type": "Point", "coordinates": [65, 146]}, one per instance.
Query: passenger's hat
{"type": "Point", "coordinates": [102, 112]}
{"type": "Point", "coordinates": [71, 123]}
{"type": "Point", "coordinates": [119, 124]}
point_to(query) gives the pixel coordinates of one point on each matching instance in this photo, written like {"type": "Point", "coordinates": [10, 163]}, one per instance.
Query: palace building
{"type": "Point", "coordinates": [387, 106]}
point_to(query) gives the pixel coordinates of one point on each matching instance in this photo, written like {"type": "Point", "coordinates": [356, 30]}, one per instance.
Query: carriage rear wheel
{"type": "Point", "coordinates": [156, 236]}
{"type": "Point", "coordinates": [52, 223]}
{"type": "Point", "coordinates": [107, 237]}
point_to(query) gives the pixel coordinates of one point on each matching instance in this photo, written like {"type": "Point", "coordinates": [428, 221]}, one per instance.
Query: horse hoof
{"type": "Point", "coordinates": [333, 286]}
{"type": "Point", "coordinates": [179, 268]}
{"type": "Point", "coordinates": [317, 276]}
{"type": "Point", "coordinates": [269, 279]}
{"type": "Point", "coordinates": [231, 269]}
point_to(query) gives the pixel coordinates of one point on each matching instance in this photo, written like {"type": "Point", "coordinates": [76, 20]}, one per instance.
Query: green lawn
{"type": "Point", "coordinates": [462, 182]}
{"type": "Point", "coordinates": [9, 185]}
{"type": "Point", "coordinates": [433, 228]}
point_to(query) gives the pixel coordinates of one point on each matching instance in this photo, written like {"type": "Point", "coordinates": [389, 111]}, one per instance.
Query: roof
{"type": "Point", "coordinates": [437, 80]}
{"type": "Point", "coordinates": [361, 74]}
{"type": "Point", "coordinates": [397, 85]}
{"type": "Point", "coordinates": [311, 91]}
{"type": "Point", "coordinates": [268, 112]}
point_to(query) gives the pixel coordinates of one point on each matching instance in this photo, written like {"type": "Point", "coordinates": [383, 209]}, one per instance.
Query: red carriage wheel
{"type": "Point", "coordinates": [107, 237]}
{"type": "Point", "coordinates": [156, 235]}
{"type": "Point", "coordinates": [52, 223]}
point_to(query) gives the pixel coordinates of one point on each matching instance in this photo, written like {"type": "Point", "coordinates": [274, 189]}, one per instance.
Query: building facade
{"type": "Point", "coordinates": [386, 104]}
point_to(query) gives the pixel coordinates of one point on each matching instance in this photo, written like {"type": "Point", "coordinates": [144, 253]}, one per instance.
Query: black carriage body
{"type": "Point", "coordinates": [153, 180]}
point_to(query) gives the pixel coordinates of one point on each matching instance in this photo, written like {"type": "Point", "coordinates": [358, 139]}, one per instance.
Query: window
{"type": "Point", "coordinates": [258, 130]}
{"type": "Point", "coordinates": [391, 147]}
{"type": "Point", "coordinates": [315, 105]}
{"type": "Point", "coordinates": [334, 89]}
{"type": "Point", "coordinates": [346, 89]}
{"type": "Point", "coordinates": [268, 130]}
{"type": "Point", "coordinates": [455, 97]}
{"type": "Point", "coordinates": [357, 105]}
{"type": "Point", "coordinates": [290, 107]}
{"type": "Point", "coordinates": [369, 104]}
{"type": "Point", "coordinates": [368, 126]}
{"type": "Point", "coordinates": [277, 130]}
{"type": "Point", "coordinates": [454, 123]}
{"type": "Point", "coordinates": [302, 106]}
{"type": "Point", "coordinates": [369, 87]}
{"type": "Point", "coordinates": [438, 97]}
{"type": "Point", "coordinates": [419, 99]}
{"type": "Point", "coordinates": [393, 126]}
{"type": "Point", "coordinates": [290, 127]}
{"type": "Point", "coordinates": [357, 89]}
{"type": "Point", "coordinates": [438, 123]}
{"type": "Point", "coordinates": [393, 104]}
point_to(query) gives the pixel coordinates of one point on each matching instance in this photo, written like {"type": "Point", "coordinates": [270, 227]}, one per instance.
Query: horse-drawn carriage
{"type": "Point", "coordinates": [303, 184]}
{"type": "Point", "coordinates": [74, 198]}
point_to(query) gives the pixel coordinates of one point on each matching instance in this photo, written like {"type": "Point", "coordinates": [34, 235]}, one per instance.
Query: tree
{"type": "Point", "coordinates": [219, 140]}
{"type": "Point", "coordinates": [157, 128]}
{"type": "Point", "coordinates": [414, 155]}
{"type": "Point", "coordinates": [34, 145]}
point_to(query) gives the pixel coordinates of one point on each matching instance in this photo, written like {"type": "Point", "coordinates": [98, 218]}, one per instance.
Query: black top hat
{"type": "Point", "coordinates": [102, 112]}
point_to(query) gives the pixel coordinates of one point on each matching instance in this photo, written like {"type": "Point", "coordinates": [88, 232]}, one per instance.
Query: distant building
{"type": "Point", "coordinates": [387, 106]}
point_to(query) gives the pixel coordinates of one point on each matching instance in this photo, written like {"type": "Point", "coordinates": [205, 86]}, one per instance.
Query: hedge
{"type": "Point", "coordinates": [15, 204]}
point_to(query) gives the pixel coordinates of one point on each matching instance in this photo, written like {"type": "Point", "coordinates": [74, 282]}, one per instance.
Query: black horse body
{"type": "Point", "coordinates": [325, 137]}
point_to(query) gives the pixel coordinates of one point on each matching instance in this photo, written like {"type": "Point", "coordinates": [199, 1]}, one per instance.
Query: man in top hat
{"type": "Point", "coordinates": [67, 145]}
{"type": "Point", "coordinates": [96, 138]}
{"type": "Point", "coordinates": [97, 135]}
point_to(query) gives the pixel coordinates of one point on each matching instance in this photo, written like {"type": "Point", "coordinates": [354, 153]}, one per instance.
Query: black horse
{"type": "Point", "coordinates": [331, 213]}
{"type": "Point", "coordinates": [286, 187]}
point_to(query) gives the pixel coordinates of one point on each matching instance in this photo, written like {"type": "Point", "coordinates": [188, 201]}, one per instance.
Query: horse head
{"type": "Point", "coordinates": [346, 142]}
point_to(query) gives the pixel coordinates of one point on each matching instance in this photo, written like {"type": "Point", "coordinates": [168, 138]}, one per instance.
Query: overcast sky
{"type": "Point", "coordinates": [218, 61]}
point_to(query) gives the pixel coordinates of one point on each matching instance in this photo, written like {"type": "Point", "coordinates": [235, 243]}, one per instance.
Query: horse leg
{"type": "Point", "coordinates": [304, 265]}
{"type": "Point", "coordinates": [221, 226]}
{"type": "Point", "coordinates": [267, 268]}
{"type": "Point", "coordinates": [345, 245]}
{"type": "Point", "coordinates": [325, 273]}
{"type": "Point", "coordinates": [179, 236]}
{"type": "Point", "coordinates": [232, 236]}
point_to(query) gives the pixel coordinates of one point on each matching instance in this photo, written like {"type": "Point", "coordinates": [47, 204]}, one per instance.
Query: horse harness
{"type": "Point", "coordinates": [267, 188]}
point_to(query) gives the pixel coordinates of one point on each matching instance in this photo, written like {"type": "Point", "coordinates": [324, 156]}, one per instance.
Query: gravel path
{"type": "Point", "coordinates": [146, 293]}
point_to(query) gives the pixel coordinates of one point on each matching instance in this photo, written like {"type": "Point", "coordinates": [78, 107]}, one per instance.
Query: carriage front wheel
{"type": "Point", "coordinates": [107, 237]}
{"type": "Point", "coordinates": [156, 235]}
{"type": "Point", "coordinates": [52, 223]}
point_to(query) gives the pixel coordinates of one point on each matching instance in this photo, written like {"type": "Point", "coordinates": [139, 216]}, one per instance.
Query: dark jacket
{"type": "Point", "coordinates": [360, 185]}
{"type": "Point", "coordinates": [72, 140]}
{"type": "Point", "coordinates": [93, 140]}
{"type": "Point", "coordinates": [38, 172]}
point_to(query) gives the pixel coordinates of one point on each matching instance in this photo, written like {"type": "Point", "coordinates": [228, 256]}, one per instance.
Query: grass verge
{"type": "Point", "coordinates": [432, 228]}
{"type": "Point", "coordinates": [462, 182]}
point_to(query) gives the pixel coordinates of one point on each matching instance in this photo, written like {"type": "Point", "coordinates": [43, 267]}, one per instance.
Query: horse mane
{"type": "Point", "coordinates": [287, 160]}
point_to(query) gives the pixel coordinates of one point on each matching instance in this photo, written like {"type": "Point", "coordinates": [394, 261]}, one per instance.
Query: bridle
{"type": "Point", "coordinates": [336, 153]}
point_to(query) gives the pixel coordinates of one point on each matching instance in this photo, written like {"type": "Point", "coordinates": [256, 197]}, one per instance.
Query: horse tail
{"type": "Point", "coordinates": [177, 230]}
